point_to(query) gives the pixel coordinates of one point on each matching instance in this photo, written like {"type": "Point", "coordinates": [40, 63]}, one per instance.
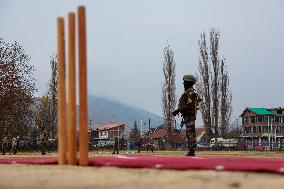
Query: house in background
{"type": "Point", "coordinates": [176, 140]}
{"type": "Point", "coordinates": [263, 127]}
{"type": "Point", "coordinates": [103, 134]}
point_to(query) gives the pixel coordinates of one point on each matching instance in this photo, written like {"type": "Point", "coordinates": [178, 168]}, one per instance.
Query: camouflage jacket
{"type": "Point", "coordinates": [188, 103]}
{"type": "Point", "coordinates": [44, 138]}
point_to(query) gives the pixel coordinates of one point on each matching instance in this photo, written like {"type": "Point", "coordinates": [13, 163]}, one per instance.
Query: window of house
{"type": "Point", "coordinates": [252, 119]}
{"type": "Point", "coordinates": [277, 129]}
{"type": "Point", "coordinates": [260, 119]}
{"type": "Point", "coordinates": [246, 120]}
{"type": "Point", "coordinates": [259, 129]}
{"type": "Point", "coordinates": [103, 133]}
{"type": "Point", "coordinates": [247, 130]}
{"type": "Point", "coordinates": [265, 119]}
{"type": "Point", "coordinates": [277, 120]}
{"type": "Point", "coordinates": [253, 129]}
{"type": "Point", "coordinates": [265, 129]}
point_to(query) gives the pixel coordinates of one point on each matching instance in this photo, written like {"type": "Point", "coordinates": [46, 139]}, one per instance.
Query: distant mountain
{"type": "Point", "coordinates": [104, 110]}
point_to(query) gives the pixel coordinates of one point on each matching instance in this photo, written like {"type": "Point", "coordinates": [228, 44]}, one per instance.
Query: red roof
{"type": "Point", "coordinates": [107, 126]}
{"type": "Point", "coordinates": [198, 131]}
{"type": "Point", "coordinates": [177, 138]}
{"type": "Point", "coordinates": [158, 134]}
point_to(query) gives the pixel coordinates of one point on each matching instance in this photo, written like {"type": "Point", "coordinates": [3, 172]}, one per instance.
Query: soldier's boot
{"type": "Point", "coordinates": [43, 153]}
{"type": "Point", "coordinates": [113, 152]}
{"type": "Point", "coordinates": [191, 146]}
{"type": "Point", "coordinates": [117, 152]}
{"type": "Point", "coordinates": [191, 152]}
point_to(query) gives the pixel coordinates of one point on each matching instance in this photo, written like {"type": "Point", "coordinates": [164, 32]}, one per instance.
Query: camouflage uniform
{"type": "Point", "coordinates": [149, 145]}
{"type": "Point", "coordinates": [140, 145]}
{"type": "Point", "coordinates": [44, 142]}
{"type": "Point", "coordinates": [14, 146]}
{"type": "Point", "coordinates": [188, 106]}
{"type": "Point", "coordinates": [116, 146]}
{"type": "Point", "coordinates": [4, 145]}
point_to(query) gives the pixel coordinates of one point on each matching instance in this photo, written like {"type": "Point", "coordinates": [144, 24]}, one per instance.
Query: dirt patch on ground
{"type": "Point", "coordinates": [52, 176]}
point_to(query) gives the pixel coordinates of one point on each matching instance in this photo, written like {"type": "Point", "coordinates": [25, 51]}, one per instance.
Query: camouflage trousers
{"type": "Point", "coordinates": [44, 147]}
{"type": "Point", "coordinates": [190, 132]}
{"type": "Point", "coordinates": [116, 148]}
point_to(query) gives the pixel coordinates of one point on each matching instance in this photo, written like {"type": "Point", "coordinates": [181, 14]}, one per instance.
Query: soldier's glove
{"type": "Point", "coordinates": [174, 113]}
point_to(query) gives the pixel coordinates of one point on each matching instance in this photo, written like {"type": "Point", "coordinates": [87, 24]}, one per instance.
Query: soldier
{"type": "Point", "coordinates": [188, 106]}
{"type": "Point", "coordinates": [44, 142]}
{"type": "Point", "coordinates": [14, 146]}
{"type": "Point", "coordinates": [4, 145]}
{"type": "Point", "coordinates": [140, 144]}
{"type": "Point", "coordinates": [116, 145]}
{"type": "Point", "coordinates": [150, 145]}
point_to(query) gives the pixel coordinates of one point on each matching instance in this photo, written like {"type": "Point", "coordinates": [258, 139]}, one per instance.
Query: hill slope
{"type": "Point", "coordinates": [103, 110]}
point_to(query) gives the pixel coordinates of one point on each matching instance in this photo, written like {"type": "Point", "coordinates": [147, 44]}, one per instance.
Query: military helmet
{"type": "Point", "coordinates": [189, 78]}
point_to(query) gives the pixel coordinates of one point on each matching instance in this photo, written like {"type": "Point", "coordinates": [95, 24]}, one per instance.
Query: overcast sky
{"type": "Point", "coordinates": [126, 40]}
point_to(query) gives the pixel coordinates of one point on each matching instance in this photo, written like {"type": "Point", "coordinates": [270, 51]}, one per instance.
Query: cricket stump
{"type": "Point", "coordinates": [83, 98]}
{"type": "Point", "coordinates": [71, 135]}
{"type": "Point", "coordinates": [61, 93]}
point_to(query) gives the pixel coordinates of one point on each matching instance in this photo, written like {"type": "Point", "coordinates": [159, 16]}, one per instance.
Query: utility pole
{"type": "Point", "coordinates": [141, 125]}
{"type": "Point", "coordinates": [118, 138]}
{"type": "Point", "coordinates": [90, 124]}
{"type": "Point", "coordinates": [269, 131]}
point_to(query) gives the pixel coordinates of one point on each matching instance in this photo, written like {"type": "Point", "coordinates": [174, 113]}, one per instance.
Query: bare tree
{"type": "Point", "coordinates": [168, 89]}
{"type": "Point", "coordinates": [213, 86]}
{"type": "Point", "coordinates": [42, 116]}
{"type": "Point", "coordinates": [215, 77]}
{"type": "Point", "coordinates": [234, 129]}
{"type": "Point", "coordinates": [53, 93]}
{"type": "Point", "coordinates": [226, 101]}
{"type": "Point", "coordinates": [203, 85]}
{"type": "Point", "coordinates": [46, 115]}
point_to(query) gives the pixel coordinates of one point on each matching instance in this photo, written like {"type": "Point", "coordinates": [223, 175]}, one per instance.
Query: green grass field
{"type": "Point", "coordinates": [274, 154]}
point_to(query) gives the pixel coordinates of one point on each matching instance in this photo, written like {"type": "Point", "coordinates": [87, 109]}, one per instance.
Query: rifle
{"type": "Point", "coordinates": [176, 112]}
{"type": "Point", "coordinates": [181, 124]}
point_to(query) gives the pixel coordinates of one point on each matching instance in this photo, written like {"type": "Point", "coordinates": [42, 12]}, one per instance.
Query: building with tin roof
{"type": "Point", "coordinates": [263, 128]}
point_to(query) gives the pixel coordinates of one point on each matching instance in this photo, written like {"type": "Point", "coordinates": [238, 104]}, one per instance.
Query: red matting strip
{"type": "Point", "coordinates": [39, 160]}
{"type": "Point", "coordinates": [275, 165]}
